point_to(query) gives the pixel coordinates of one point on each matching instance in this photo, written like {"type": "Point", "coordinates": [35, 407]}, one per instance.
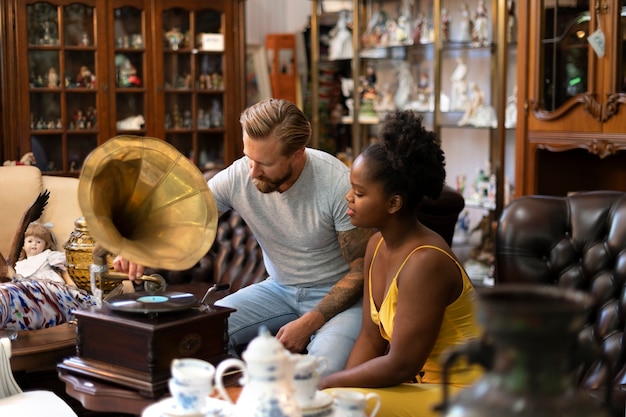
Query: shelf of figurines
{"type": "Point", "coordinates": [449, 120]}
{"type": "Point", "coordinates": [410, 27]}
{"type": "Point", "coordinates": [403, 51]}
{"type": "Point", "coordinates": [462, 101]}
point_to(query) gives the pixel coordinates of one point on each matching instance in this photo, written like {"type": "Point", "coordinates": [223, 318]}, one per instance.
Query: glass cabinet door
{"type": "Point", "coordinates": [565, 52]}
{"type": "Point", "coordinates": [88, 70]}
{"type": "Point", "coordinates": [130, 101]}
{"type": "Point", "coordinates": [194, 82]}
{"type": "Point", "coordinates": [63, 95]}
{"type": "Point", "coordinates": [621, 45]}
{"type": "Point", "coordinates": [581, 57]}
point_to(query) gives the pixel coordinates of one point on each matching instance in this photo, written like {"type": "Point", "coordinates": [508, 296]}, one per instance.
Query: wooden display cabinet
{"type": "Point", "coordinates": [200, 84]}
{"type": "Point", "coordinates": [571, 118]}
{"type": "Point", "coordinates": [81, 72]}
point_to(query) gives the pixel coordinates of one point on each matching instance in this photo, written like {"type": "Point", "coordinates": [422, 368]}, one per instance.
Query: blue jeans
{"type": "Point", "coordinates": [273, 305]}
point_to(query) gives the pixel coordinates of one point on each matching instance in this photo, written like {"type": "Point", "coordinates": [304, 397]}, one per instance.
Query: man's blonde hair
{"type": "Point", "coordinates": [280, 119]}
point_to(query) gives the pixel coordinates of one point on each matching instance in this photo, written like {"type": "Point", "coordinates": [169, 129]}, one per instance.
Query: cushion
{"type": "Point", "coordinates": [63, 208]}
{"type": "Point", "coordinates": [30, 304]}
{"type": "Point", "coordinates": [35, 404]}
{"type": "Point", "coordinates": [20, 187]}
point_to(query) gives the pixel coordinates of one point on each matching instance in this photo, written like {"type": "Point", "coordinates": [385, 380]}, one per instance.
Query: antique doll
{"type": "Point", "coordinates": [39, 258]}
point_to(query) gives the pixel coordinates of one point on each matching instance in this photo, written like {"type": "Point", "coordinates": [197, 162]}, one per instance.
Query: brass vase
{"type": "Point", "coordinates": [78, 253]}
{"type": "Point", "coordinates": [529, 351]}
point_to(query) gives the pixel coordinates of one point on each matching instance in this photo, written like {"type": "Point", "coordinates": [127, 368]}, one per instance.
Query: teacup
{"type": "Point", "coordinates": [354, 403]}
{"type": "Point", "coordinates": [190, 371]}
{"type": "Point", "coordinates": [189, 398]}
{"type": "Point", "coordinates": [306, 376]}
{"type": "Point", "coordinates": [191, 383]}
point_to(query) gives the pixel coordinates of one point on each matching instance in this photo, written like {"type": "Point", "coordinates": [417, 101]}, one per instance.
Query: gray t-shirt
{"type": "Point", "coordinates": [297, 229]}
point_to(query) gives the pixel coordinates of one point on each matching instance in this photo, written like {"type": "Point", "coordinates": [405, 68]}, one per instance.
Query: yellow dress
{"type": "Point", "coordinates": [458, 326]}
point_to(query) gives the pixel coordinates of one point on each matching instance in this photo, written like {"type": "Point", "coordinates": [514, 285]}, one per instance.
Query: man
{"type": "Point", "coordinates": [293, 199]}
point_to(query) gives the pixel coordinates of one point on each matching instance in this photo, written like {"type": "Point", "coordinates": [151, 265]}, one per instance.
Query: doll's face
{"type": "Point", "coordinates": [34, 246]}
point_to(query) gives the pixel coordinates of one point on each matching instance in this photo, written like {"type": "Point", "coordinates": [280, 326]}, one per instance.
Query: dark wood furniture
{"type": "Point", "coordinates": [576, 243]}
{"type": "Point", "coordinates": [76, 73]}
{"type": "Point", "coordinates": [571, 116]}
{"type": "Point", "coordinates": [98, 396]}
{"type": "Point", "coordinates": [135, 350]}
{"type": "Point", "coordinates": [36, 350]}
{"type": "Point", "coordinates": [108, 398]}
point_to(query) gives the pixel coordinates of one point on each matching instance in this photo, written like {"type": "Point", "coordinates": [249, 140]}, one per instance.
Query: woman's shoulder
{"type": "Point", "coordinates": [374, 240]}
{"type": "Point", "coordinates": [429, 258]}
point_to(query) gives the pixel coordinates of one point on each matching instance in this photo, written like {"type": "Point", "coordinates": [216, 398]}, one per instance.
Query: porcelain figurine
{"type": "Point", "coordinates": [510, 120]}
{"type": "Point", "coordinates": [445, 25]}
{"type": "Point", "coordinates": [174, 37]}
{"type": "Point", "coordinates": [340, 45]}
{"type": "Point", "coordinates": [53, 78]}
{"type": "Point", "coordinates": [511, 21]}
{"type": "Point", "coordinates": [480, 35]}
{"type": "Point", "coordinates": [478, 113]}
{"type": "Point", "coordinates": [458, 98]}
{"type": "Point", "coordinates": [465, 26]}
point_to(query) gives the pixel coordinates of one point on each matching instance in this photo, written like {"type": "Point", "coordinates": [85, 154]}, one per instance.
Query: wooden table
{"type": "Point", "coordinates": [104, 397]}
{"type": "Point", "coordinates": [36, 350]}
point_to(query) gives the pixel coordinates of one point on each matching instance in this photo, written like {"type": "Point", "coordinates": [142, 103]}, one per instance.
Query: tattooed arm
{"type": "Point", "coordinates": [348, 290]}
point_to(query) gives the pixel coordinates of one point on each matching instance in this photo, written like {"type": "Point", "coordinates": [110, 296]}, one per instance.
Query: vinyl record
{"type": "Point", "coordinates": [144, 302]}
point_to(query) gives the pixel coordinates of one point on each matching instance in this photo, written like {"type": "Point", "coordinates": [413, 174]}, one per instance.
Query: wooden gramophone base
{"type": "Point", "coordinates": [136, 350]}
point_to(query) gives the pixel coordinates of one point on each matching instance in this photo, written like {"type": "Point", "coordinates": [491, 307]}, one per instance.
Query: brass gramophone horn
{"type": "Point", "coordinates": [145, 201]}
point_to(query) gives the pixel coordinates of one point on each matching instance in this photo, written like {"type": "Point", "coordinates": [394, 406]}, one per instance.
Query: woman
{"type": "Point", "coordinates": [418, 301]}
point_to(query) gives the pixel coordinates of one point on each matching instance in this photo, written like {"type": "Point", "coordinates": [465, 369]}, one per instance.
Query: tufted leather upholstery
{"type": "Point", "coordinates": [576, 242]}
{"type": "Point", "coordinates": [442, 214]}
{"type": "Point", "coordinates": [236, 256]}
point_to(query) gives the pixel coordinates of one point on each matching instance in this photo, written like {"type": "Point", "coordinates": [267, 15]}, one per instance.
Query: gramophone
{"type": "Point", "coordinates": [143, 200]}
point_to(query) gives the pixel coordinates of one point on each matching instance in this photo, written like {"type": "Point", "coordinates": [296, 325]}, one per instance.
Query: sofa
{"type": "Point", "coordinates": [576, 242]}
{"type": "Point", "coordinates": [34, 304]}
{"type": "Point", "coordinates": [20, 185]}
{"type": "Point", "coordinates": [236, 258]}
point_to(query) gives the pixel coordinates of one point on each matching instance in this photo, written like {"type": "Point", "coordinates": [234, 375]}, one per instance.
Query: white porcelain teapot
{"type": "Point", "coordinates": [267, 379]}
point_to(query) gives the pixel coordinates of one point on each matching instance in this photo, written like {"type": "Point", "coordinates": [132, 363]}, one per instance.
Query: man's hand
{"type": "Point", "coordinates": [296, 335]}
{"type": "Point", "coordinates": [123, 265]}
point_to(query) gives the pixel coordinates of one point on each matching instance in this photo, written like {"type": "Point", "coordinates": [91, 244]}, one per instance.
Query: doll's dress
{"type": "Point", "coordinates": [41, 266]}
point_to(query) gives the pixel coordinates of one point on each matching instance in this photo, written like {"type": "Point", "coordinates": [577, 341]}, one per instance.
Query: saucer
{"type": "Point", "coordinates": [320, 406]}
{"type": "Point", "coordinates": [169, 408]}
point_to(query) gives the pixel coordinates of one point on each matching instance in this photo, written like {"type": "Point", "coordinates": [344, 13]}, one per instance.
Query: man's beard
{"type": "Point", "coordinates": [268, 186]}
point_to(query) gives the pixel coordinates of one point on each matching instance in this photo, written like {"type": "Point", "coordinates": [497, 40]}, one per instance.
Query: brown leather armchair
{"type": "Point", "coordinates": [576, 242]}
{"type": "Point", "coordinates": [442, 214]}
{"type": "Point", "coordinates": [236, 258]}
